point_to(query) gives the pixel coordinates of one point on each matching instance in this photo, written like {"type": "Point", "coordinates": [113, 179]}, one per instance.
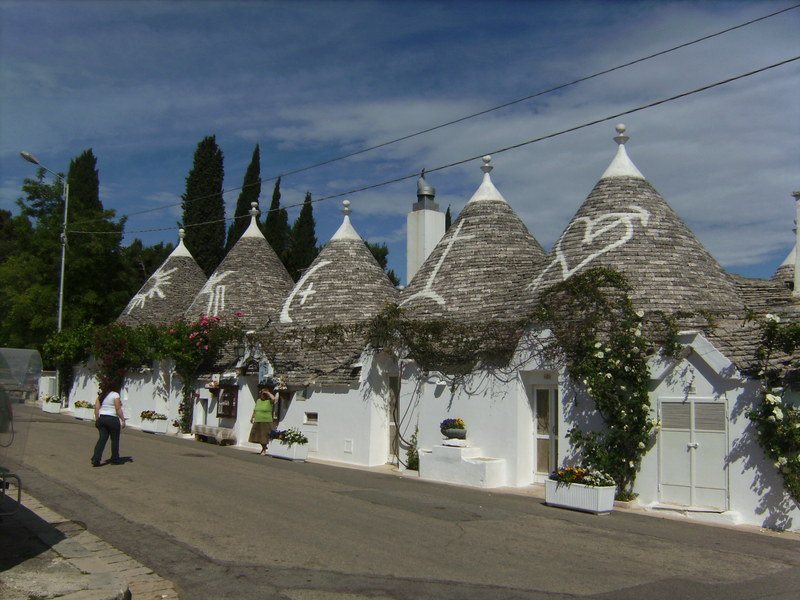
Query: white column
{"type": "Point", "coordinates": [796, 291]}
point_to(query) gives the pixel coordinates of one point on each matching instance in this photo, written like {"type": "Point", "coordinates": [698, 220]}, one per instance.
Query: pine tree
{"type": "Point", "coordinates": [276, 226]}
{"type": "Point", "coordinates": [303, 247]}
{"type": "Point", "coordinates": [203, 203]}
{"type": "Point", "coordinates": [251, 190]}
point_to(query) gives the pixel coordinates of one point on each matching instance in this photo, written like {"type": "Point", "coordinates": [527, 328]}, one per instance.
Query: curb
{"type": "Point", "coordinates": [78, 565]}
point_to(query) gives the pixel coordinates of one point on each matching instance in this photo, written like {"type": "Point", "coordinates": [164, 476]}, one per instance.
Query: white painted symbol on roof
{"type": "Point", "coordinates": [594, 228]}
{"type": "Point", "coordinates": [309, 291]}
{"type": "Point", "coordinates": [427, 291]}
{"type": "Point", "coordinates": [159, 280]}
{"type": "Point", "coordinates": [285, 316]}
{"type": "Point", "coordinates": [216, 297]}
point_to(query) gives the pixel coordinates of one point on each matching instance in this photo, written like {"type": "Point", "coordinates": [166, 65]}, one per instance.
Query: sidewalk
{"type": "Point", "coordinates": [43, 556]}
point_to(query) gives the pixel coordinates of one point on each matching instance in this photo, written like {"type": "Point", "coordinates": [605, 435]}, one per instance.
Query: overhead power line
{"type": "Point", "coordinates": [470, 116]}
{"type": "Point", "coordinates": [499, 150]}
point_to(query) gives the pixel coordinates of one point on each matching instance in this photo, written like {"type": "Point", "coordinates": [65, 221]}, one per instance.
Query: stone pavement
{"type": "Point", "coordinates": [43, 556]}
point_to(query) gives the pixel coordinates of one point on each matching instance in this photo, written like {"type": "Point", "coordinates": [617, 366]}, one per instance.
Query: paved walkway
{"type": "Point", "coordinates": [43, 556]}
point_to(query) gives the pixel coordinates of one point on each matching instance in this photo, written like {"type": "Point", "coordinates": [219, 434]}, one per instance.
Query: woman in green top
{"type": "Point", "coordinates": [263, 418]}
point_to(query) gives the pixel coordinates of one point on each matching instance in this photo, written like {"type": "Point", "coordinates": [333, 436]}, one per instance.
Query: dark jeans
{"type": "Point", "coordinates": [107, 426]}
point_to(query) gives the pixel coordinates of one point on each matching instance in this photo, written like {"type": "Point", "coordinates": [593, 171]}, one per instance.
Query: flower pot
{"type": "Point", "coordinates": [87, 414]}
{"type": "Point", "coordinates": [51, 407]}
{"type": "Point", "coordinates": [577, 496]}
{"type": "Point", "coordinates": [154, 426]}
{"type": "Point", "coordinates": [455, 434]}
{"type": "Point", "coordinates": [294, 452]}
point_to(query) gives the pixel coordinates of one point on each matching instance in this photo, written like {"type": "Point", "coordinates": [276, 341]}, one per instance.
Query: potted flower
{"type": "Point", "coordinates": [453, 429]}
{"type": "Point", "coordinates": [153, 422]}
{"type": "Point", "coordinates": [84, 410]}
{"type": "Point", "coordinates": [290, 444]}
{"type": "Point", "coordinates": [51, 404]}
{"type": "Point", "coordinates": [581, 489]}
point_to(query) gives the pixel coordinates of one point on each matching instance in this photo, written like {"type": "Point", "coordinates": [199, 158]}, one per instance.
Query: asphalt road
{"type": "Point", "coordinates": [225, 523]}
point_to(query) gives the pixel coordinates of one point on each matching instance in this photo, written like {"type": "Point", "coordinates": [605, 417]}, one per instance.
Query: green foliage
{"type": "Point", "coordinates": [68, 348]}
{"type": "Point", "coordinates": [141, 261]}
{"type": "Point", "coordinates": [251, 190]}
{"type": "Point", "coordinates": [412, 453]}
{"type": "Point", "coordinates": [290, 437]}
{"type": "Point", "coordinates": [204, 207]}
{"type": "Point", "coordinates": [777, 421]}
{"type": "Point", "coordinates": [448, 219]}
{"type": "Point", "coordinates": [444, 345]}
{"type": "Point", "coordinates": [276, 225]}
{"type": "Point", "coordinates": [594, 478]}
{"type": "Point", "coordinates": [303, 247]}
{"type": "Point", "coordinates": [599, 334]}
{"type": "Point", "coordinates": [116, 348]}
{"type": "Point", "coordinates": [778, 425]}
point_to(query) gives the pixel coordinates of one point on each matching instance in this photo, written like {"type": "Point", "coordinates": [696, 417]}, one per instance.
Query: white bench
{"type": "Point", "coordinates": [222, 435]}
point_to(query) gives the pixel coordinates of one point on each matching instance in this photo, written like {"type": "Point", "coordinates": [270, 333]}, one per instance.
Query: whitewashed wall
{"type": "Point", "coordinates": [352, 423]}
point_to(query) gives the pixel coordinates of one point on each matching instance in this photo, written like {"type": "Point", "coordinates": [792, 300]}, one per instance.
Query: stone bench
{"type": "Point", "coordinates": [222, 435]}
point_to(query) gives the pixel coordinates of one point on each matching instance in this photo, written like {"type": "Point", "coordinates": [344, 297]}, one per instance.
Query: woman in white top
{"type": "Point", "coordinates": [110, 421]}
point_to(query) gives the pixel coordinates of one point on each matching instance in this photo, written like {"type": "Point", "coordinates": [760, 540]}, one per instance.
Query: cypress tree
{"type": "Point", "coordinates": [203, 203]}
{"type": "Point", "coordinates": [303, 247]}
{"type": "Point", "coordinates": [381, 254]}
{"type": "Point", "coordinates": [448, 220]}
{"type": "Point", "coordinates": [276, 226]}
{"type": "Point", "coordinates": [251, 190]}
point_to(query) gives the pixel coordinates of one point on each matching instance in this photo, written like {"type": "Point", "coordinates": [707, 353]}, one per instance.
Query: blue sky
{"type": "Point", "coordinates": [141, 83]}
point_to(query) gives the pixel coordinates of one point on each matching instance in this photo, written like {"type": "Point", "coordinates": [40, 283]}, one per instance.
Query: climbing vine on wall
{"type": "Point", "coordinates": [598, 334]}
{"type": "Point", "coordinates": [776, 419]}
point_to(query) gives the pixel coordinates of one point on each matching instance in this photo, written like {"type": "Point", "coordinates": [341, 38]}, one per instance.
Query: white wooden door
{"type": "Point", "coordinates": [544, 404]}
{"type": "Point", "coordinates": [692, 449]}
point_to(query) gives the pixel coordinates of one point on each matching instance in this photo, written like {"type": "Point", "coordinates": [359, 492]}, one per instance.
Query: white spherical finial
{"type": "Point", "coordinates": [486, 167]}
{"type": "Point", "coordinates": [253, 209]}
{"type": "Point", "coordinates": [181, 233]}
{"type": "Point", "coordinates": [621, 138]}
{"type": "Point", "coordinates": [346, 210]}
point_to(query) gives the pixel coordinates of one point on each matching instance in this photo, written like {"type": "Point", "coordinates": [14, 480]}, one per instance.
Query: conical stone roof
{"type": "Point", "coordinates": [344, 285]}
{"type": "Point", "coordinates": [626, 225]}
{"type": "Point", "coordinates": [167, 293]}
{"type": "Point", "coordinates": [250, 280]}
{"type": "Point", "coordinates": [785, 273]}
{"type": "Point", "coordinates": [479, 268]}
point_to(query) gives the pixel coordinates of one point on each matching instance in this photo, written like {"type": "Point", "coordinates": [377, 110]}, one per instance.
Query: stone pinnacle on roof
{"type": "Point", "coordinates": [621, 166]}
{"type": "Point", "coordinates": [168, 291]}
{"type": "Point", "coordinates": [252, 229]}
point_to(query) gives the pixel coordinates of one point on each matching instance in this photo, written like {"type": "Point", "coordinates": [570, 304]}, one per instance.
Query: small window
{"type": "Point", "coordinates": [311, 418]}
{"type": "Point", "coordinates": [226, 404]}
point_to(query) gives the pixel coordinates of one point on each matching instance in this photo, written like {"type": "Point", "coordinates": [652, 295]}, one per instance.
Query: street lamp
{"type": "Point", "coordinates": [32, 159]}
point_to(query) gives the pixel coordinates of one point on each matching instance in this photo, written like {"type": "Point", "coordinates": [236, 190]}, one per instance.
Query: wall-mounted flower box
{"type": "Point", "coordinates": [154, 426]}
{"type": "Point", "coordinates": [577, 496]}
{"type": "Point", "coordinates": [80, 412]}
{"type": "Point", "coordinates": [294, 452]}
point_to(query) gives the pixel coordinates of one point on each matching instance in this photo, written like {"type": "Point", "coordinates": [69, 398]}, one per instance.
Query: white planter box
{"type": "Point", "coordinates": [294, 452]}
{"type": "Point", "coordinates": [51, 407]}
{"type": "Point", "coordinates": [155, 426]}
{"type": "Point", "coordinates": [87, 414]}
{"type": "Point", "coordinates": [577, 496]}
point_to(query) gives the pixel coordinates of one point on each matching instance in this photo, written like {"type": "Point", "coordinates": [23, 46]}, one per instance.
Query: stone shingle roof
{"type": "Point", "coordinates": [480, 266]}
{"type": "Point", "coordinates": [785, 273]}
{"type": "Point", "coordinates": [626, 225]}
{"type": "Point", "coordinates": [344, 286]}
{"type": "Point", "coordinates": [167, 293]}
{"type": "Point", "coordinates": [250, 280]}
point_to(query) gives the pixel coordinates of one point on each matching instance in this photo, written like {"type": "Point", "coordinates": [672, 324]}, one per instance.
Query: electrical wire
{"type": "Point", "coordinates": [497, 151]}
{"type": "Point", "coordinates": [465, 118]}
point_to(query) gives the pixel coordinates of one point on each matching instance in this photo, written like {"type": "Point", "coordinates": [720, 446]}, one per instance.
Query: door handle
{"type": "Point", "coordinates": [693, 445]}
